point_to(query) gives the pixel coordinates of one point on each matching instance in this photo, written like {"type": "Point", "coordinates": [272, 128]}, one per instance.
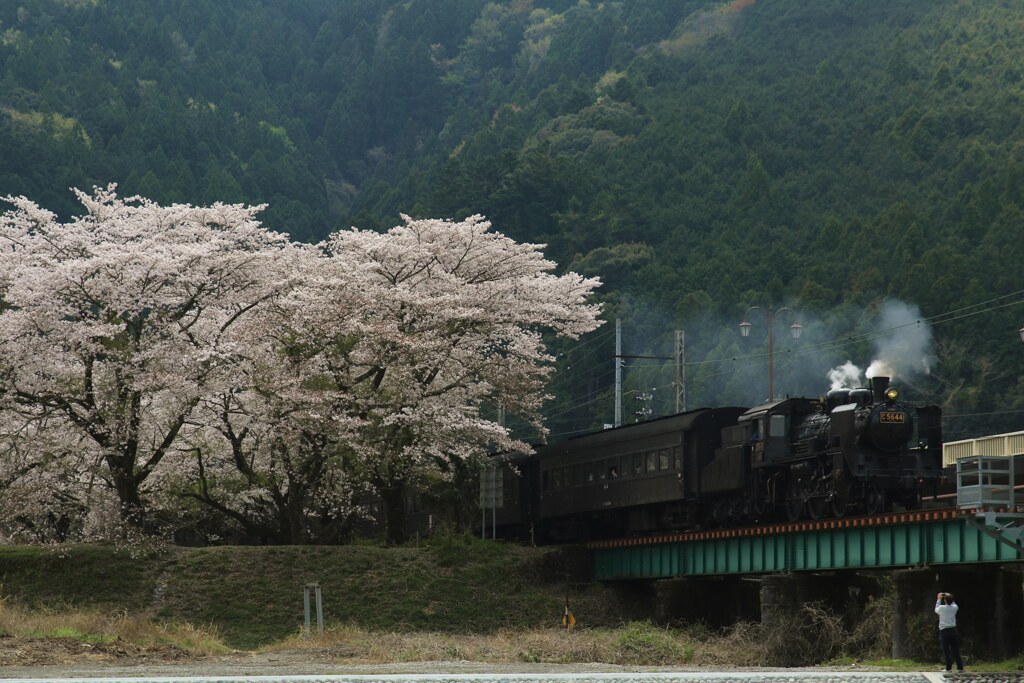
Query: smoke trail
{"type": "Point", "coordinates": [906, 351]}
{"type": "Point", "coordinates": [844, 376]}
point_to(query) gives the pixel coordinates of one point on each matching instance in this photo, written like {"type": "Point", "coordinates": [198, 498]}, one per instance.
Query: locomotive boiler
{"type": "Point", "coordinates": [851, 451]}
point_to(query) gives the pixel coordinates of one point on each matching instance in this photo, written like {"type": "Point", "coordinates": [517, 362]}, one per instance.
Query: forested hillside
{"type": "Point", "coordinates": [859, 162]}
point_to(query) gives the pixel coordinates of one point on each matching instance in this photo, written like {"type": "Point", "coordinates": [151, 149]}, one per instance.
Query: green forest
{"type": "Point", "coordinates": [856, 165]}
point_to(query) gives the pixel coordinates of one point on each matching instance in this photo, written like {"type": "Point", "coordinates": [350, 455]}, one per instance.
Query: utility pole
{"type": "Point", "coordinates": [618, 372]}
{"type": "Point", "coordinates": [770, 314]}
{"type": "Point", "coordinates": [680, 361]}
{"type": "Point", "coordinates": [680, 371]}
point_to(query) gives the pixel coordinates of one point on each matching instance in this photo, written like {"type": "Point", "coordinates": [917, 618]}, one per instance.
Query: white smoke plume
{"type": "Point", "coordinates": [907, 350]}
{"type": "Point", "coordinates": [843, 376]}
{"type": "Point", "coordinates": [904, 349]}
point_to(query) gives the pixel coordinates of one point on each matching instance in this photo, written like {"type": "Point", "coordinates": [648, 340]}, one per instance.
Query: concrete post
{"type": "Point", "coordinates": [915, 601]}
{"type": "Point", "coordinates": [780, 597]}
{"type": "Point", "coordinates": [315, 589]}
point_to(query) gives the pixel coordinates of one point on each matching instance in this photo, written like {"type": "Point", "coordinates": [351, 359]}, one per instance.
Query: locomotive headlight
{"type": "Point", "coordinates": [892, 393]}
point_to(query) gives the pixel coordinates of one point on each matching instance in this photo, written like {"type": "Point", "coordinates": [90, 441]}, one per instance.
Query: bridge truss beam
{"type": "Point", "coordinates": [912, 539]}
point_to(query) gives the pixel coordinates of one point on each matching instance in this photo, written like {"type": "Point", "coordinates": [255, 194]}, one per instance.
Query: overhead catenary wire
{"type": "Point", "coordinates": [602, 337]}
{"type": "Point", "coordinates": [938, 319]}
{"type": "Point", "coordinates": [838, 343]}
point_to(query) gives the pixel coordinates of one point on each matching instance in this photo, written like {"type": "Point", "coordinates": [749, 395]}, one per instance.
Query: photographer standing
{"type": "Point", "coordinates": [946, 608]}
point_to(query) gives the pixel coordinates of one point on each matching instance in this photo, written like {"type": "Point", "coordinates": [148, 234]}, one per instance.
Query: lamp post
{"type": "Point", "coordinates": [795, 329]}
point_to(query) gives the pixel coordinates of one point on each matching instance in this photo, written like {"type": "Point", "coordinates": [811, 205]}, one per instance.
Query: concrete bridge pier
{"type": "Point", "coordinates": [717, 601]}
{"type": "Point", "coordinates": [783, 595]}
{"type": "Point", "coordinates": [990, 622]}
{"type": "Point", "coordinates": [914, 622]}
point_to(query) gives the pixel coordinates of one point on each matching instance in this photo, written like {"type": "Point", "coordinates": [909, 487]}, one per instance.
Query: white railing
{"type": "Point", "coordinates": [986, 481]}
{"type": "Point", "coordinates": [997, 445]}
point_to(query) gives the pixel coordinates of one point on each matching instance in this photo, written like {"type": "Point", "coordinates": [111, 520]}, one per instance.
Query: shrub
{"type": "Point", "coordinates": [644, 643]}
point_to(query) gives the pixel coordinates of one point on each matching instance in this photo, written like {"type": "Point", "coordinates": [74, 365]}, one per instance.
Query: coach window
{"type": "Point", "coordinates": [677, 457]}
{"type": "Point", "coordinates": [558, 479]}
{"type": "Point", "coordinates": [613, 469]}
{"type": "Point", "coordinates": [545, 481]}
{"type": "Point", "coordinates": [625, 466]}
{"type": "Point", "coordinates": [578, 477]}
{"type": "Point", "coordinates": [664, 463]}
{"type": "Point", "coordinates": [601, 471]}
{"type": "Point", "coordinates": [652, 461]}
{"type": "Point", "coordinates": [638, 463]}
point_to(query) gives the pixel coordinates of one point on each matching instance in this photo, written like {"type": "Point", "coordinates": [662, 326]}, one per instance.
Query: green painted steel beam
{"type": "Point", "coordinates": [949, 541]}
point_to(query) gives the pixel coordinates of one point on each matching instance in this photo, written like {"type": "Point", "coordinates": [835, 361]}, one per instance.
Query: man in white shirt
{"type": "Point", "coordinates": [946, 608]}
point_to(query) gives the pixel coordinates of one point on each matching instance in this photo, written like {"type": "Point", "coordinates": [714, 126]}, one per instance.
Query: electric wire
{"type": "Point", "coordinates": [938, 319]}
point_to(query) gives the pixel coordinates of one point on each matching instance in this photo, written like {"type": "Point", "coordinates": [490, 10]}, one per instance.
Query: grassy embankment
{"type": "Point", "coordinates": [253, 596]}
{"type": "Point", "coordinates": [475, 601]}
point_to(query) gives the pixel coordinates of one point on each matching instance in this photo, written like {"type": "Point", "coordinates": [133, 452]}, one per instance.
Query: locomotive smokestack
{"type": "Point", "coordinates": [878, 387]}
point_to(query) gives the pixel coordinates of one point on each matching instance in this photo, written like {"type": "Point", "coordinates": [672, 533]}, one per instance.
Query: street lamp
{"type": "Point", "coordinates": [795, 329]}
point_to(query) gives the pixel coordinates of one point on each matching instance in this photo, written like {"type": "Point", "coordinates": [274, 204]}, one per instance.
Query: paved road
{"type": "Point", "coordinates": [591, 677]}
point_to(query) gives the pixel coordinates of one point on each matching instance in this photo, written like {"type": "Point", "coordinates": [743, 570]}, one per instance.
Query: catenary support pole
{"type": "Point", "coordinates": [618, 372]}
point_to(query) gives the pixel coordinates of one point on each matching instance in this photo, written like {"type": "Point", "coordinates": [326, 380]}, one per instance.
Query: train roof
{"type": "Point", "coordinates": [765, 406]}
{"type": "Point", "coordinates": [692, 419]}
{"type": "Point", "coordinates": [771, 405]}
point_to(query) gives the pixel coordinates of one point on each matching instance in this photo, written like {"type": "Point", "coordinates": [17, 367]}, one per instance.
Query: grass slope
{"type": "Point", "coordinates": [253, 595]}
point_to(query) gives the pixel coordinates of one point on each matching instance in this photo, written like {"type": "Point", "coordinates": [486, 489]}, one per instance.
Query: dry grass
{"type": "Point", "coordinates": [504, 646]}
{"type": "Point", "coordinates": [99, 627]}
{"type": "Point", "coordinates": [813, 636]}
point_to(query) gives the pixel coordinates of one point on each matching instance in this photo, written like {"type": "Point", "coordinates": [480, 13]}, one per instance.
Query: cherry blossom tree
{"type": "Point", "coordinates": [153, 355]}
{"type": "Point", "coordinates": [417, 329]}
{"type": "Point", "coordinates": [115, 325]}
{"type": "Point", "coordinates": [45, 480]}
{"type": "Point", "coordinates": [271, 456]}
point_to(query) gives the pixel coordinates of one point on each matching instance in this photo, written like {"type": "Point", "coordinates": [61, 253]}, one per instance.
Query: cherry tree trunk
{"type": "Point", "coordinates": [393, 500]}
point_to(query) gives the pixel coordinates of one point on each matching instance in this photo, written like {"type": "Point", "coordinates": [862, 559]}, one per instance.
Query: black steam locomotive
{"type": "Point", "coordinates": [858, 451]}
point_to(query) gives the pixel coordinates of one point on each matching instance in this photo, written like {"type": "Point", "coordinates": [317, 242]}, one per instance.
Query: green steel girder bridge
{"type": "Point", "coordinates": [912, 539]}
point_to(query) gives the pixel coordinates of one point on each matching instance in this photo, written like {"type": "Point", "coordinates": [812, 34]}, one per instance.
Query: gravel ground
{"type": "Point", "coordinates": [300, 666]}
{"type": "Point", "coordinates": [23, 659]}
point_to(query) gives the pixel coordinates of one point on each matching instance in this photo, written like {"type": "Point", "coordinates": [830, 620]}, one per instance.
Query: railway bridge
{"type": "Point", "coordinates": [974, 550]}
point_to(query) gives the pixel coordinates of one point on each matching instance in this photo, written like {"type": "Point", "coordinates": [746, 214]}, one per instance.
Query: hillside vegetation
{"type": "Point", "coordinates": [701, 157]}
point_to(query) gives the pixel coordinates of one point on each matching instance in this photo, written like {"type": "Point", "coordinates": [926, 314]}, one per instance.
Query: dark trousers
{"type": "Point", "coordinates": [950, 648]}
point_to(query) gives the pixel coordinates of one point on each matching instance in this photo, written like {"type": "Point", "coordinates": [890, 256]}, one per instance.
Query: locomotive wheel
{"type": "Point", "coordinates": [837, 506]}
{"type": "Point", "coordinates": [758, 507]}
{"type": "Point", "coordinates": [740, 511]}
{"type": "Point", "coordinates": [817, 507]}
{"type": "Point", "coordinates": [817, 499]}
{"type": "Point", "coordinates": [720, 513]}
{"type": "Point", "coordinates": [794, 509]}
{"type": "Point", "coordinates": [794, 500]}
{"type": "Point", "coordinates": [874, 501]}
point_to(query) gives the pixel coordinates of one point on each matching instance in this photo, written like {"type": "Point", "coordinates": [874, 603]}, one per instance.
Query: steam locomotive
{"type": "Point", "coordinates": [859, 451]}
